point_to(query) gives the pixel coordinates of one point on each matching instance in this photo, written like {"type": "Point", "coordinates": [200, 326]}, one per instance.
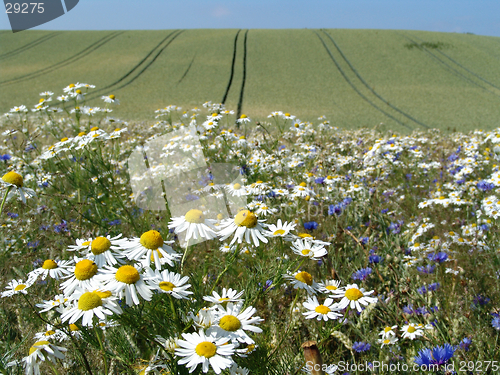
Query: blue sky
{"type": "Point", "coordinates": [479, 17]}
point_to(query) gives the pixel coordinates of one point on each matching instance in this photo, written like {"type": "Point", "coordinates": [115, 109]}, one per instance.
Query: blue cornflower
{"type": "Point", "coordinates": [480, 300]}
{"type": "Point", "coordinates": [495, 323]}
{"type": "Point", "coordinates": [364, 240]}
{"type": "Point", "coordinates": [33, 244]}
{"type": "Point", "coordinates": [267, 285]}
{"type": "Point", "coordinates": [319, 180]}
{"type": "Point", "coordinates": [465, 343]}
{"type": "Point", "coordinates": [408, 176]}
{"type": "Point", "coordinates": [115, 222]}
{"type": "Point", "coordinates": [439, 355]}
{"type": "Point", "coordinates": [409, 309]}
{"type": "Point", "coordinates": [5, 157]}
{"type": "Point", "coordinates": [384, 211]}
{"type": "Point", "coordinates": [422, 290]}
{"type": "Point", "coordinates": [362, 274]}
{"type": "Point", "coordinates": [12, 215]}
{"type": "Point", "coordinates": [335, 209]}
{"type": "Point", "coordinates": [361, 346]}
{"type": "Point", "coordinates": [439, 257]}
{"type": "Point", "coordinates": [374, 258]}
{"type": "Point", "coordinates": [427, 269]}
{"type": "Point", "coordinates": [485, 185]}
{"type": "Point", "coordinates": [310, 225]}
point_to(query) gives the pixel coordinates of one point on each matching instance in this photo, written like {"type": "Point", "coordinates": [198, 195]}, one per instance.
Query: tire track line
{"type": "Point", "coordinates": [356, 89]}
{"type": "Point", "coordinates": [29, 45]}
{"type": "Point", "coordinates": [187, 70]}
{"type": "Point", "coordinates": [450, 68]}
{"type": "Point", "coordinates": [88, 50]}
{"type": "Point", "coordinates": [240, 101]}
{"type": "Point", "coordinates": [370, 88]}
{"type": "Point", "coordinates": [231, 75]}
{"type": "Point", "coordinates": [460, 65]}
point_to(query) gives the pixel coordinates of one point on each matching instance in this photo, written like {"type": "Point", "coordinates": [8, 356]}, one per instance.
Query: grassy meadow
{"type": "Point", "coordinates": [358, 78]}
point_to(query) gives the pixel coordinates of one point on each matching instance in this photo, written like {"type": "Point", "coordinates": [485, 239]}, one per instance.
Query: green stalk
{"type": "Point", "coordinates": [5, 198]}
{"type": "Point", "coordinates": [102, 349]}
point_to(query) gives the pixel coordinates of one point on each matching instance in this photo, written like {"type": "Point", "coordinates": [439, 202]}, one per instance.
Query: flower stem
{"type": "Point", "coordinates": [5, 198]}
{"type": "Point", "coordinates": [102, 350]}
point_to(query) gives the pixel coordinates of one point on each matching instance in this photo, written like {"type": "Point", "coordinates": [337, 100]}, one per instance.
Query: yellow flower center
{"type": "Point", "coordinates": [243, 116]}
{"type": "Point", "coordinates": [78, 92]}
{"type": "Point", "coordinates": [112, 97]}
{"type": "Point", "coordinates": [304, 277]}
{"type": "Point", "coordinates": [20, 287]}
{"type": "Point", "coordinates": [151, 240]}
{"type": "Point", "coordinates": [103, 293]}
{"type": "Point", "coordinates": [94, 128]}
{"type": "Point", "coordinates": [49, 333]}
{"type": "Point", "coordinates": [85, 269]}
{"type": "Point", "coordinates": [153, 255]}
{"type": "Point", "coordinates": [49, 264]}
{"type": "Point", "coordinates": [322, 309]}
{"type": "Point", "coordinates": [230, 323]}
{"type": "Point", "coordinates": [387, 329]}
{"type": "Point", "coordinates": [236, 186]}
{"type": "Point", "coordinates": [64, 139]}
{"type": "Point", "coordinates": [246, 218]}
{"type": "Point", "coordinates": [89, 301]}
{"type": "Point", "coordinates": [127, 274]}
{"type": "Point", "coordinates": [38, 343]}
{"type": "Point", "coordinates": [306, 252]}
{"type": "Point", "coordinates": [279, 232]}
{"type": "Point", "coordinates": [71, 85]}
{"type": "Point", "coordinates": [353, 294]}
{"type": "Point", "coordinates": [100, 245]}
{"type": "Point", "coordinates": [304, 235]}
{"type": "Point", "coordinates": [13, 178]}
{"type": "Point", "coordinates": [411, 329]}
{"type": "Point", "coordinates": [387, 341]}
{"type": "Point", "coordinates": [287, 114]}
{"type": "Point", "coordinates": [194, 216]}
{"type": "Point", "coordinates": [73, 327]}
{"type": "Point", "coordinates": [303, 184]}
{"type": "Point", "coordinates": [167, 286]}
{"type": "Point", "coordinates": [206, 349]}
{"type": "Point", "coordinates": [81, 134]}
{"type": "Point", "coordinates": [331, 287]}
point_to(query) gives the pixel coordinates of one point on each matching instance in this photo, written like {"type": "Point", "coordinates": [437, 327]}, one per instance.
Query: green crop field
{"type": "Point", "coordinates": [357, 78]}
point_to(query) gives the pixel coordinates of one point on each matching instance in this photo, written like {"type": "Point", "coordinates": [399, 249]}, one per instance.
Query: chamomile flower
{"type": "Point", "coordinates": [16, 287]}
{"type": "Point", "coordinates": [303, 280]}
{"type": "Point", "coordinates": [228, 295]}
{"type": "Point", "coordinates": [306, 248]}
{"type": "Point", "coordinates": [232, 322]}
{"type": "Point", "coordinates": [412, 331]}
{"type": "Point", "coordinates": [169, 282]}
{"type": "Point", "coordinates": [195, 225]}
{"type": "Point", "coordinates": [326, 311]}
{"type": "Point", "coordinates": [207, 350]}
{"type": "Point", "coordinates": [87, 304]}
{"type": "Point", "coordinates": [58, 303]}
{"type": "Point", "coordinates": [237, 190]}
{"type": "Point", "coordinates": [243, 119]}
{"type": "Point", "coordinates": [110, 99]}
{"type": "Point", "coordinates": [389, 340]}
{"type": "Point", "coordinates": [51, 333]}
{"type": "Point", "coordinates": [106, 250]}
{"type": "Point", "coordinates": [225, 248]}
{"type": "Point", "coordinates": [281, 230]}
{"type": "Point", "coordinates": [244, 225]}
{"type": "Point", "coordinates": [56, 269]}
{"type": "Point", "coordinates": [329, 286]}
{"type": "Point", "coordinates": [204, 318]}
{"type": "Point", "coordinates": [388, 332]}
{"type": "Point", "coordinates": [150, 246]}
{"type": "Point", "coordinates": [15, 182]}
{"type": "Point", "coordinates": [41, 351]}
{"type": "Point", "coordinates": [84, 272]}
{"type": "Point", "coordinates": [354, 297]}
{"type": "Point", "coordinates": [126, 281]}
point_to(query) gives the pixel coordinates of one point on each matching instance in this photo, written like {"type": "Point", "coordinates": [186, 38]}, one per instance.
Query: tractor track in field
{"type": "Point", "coordinates": [113, 85]}
{"type": "Point", "coordinates": [460, 65]}
{"type": "Point", "coordinates": [242, 91]}
{"type": "Point", "coordinates": [28, 46]}
{"type": "Point", "coordinates": [187, 70]}
{"type": "Point", "coordinates": [355, 88]}
{"type": "Point", "coordinates": [88, 50]}
{"type": "Point", "coordinates": [231, 75]}
{"type": "Point", "coordinates": [409, 117]}
{"type": "Point", "coordinates": [450, 68]}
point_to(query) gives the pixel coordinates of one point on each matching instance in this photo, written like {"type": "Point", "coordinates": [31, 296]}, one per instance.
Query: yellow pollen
{"type": "Point", "coordinates": [304, 235]}
{"type": "Point", "coordinates": [71, 85]}
{"type": "Point", "coordinates": [49, 264]}
{"type": "Point", "coordinates": [279, 232]}
{"type": "Point", "coordinates": [85, 269]}
{"type": "Point", "coordinates": [214, 114]}
{"type": "Point", "coordinates": [242, 137]}
{"type": "Point", "coordinates": [306, 252]}
{"type": "Point", "coordinates": [81, 134]}
{"type": "Point", "coordinates": [194, 216]}
{"type": "Point", "coordinates": [411, 329]}
{"type": "Point", "coordinates": [230, 323]}
{"type": "Point", "coordinates": [236, 186]}
{"type": "Point", "coordinates": [304, 277]}
{"type": "Point", "coordinates": [151, 240]}
{"type": "Point", "coordinates": [167, 286]}
{"type": "Point", "coordinates": [243, 116]}
{"type": "Point", "coordinates": [127, 274]}
{"type": "Point", "coordinates": [117, 129]}
{"type": "Point", "coordinates": [38, 343]}
{"type": "Point", "coordinates": [64, 139]}
{"type": "Point", "coordinates": [49, 333]}
{"type": "Point", "coordinates": [94, 129]}
{"type": "Point", "coordinates": [78, 92]}
{"type": "Point", "coordinates": [100, 245]}
{"type": "Point", "coordinates": [353, 294]}
{"type": "Point", "coordinates": [103, 294]}
{"type": "Point", "coordinates": [73, 327]}
{"type": "Point", "coordinates": [287, 114]}
{"type": "Point", "coordinates": [387, 329]}
{"type": "Point", "coordinates": [13, 178]}
{"type": "Point", "coordinates": [20, 287]}
{"type": "Point", "coordinates": [41, 100]}
{"type": "Point", "coordinates": [303, 184]}
{"type": "Point", "coordinates": [245, 218]}
{"type": "Point", "coordinates": [206, 349]}
{"type": "Point", "coordinates": [322, 309]}
{"type": "Point", "coordinates": [331, 287]}
{"type": "Point", "coordinates": [89, 301]}
{"type": "Point", "coordinates": [112, 97]}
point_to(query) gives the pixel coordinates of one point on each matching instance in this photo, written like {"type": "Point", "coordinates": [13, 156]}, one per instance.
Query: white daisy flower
{"type": "Point", "coordinates": [228, 295]}
{"type": "Point", "coordinates": [40, 351]}
{"type": "Point", "coordinates": [207, 350]}
{"type": "Point", "coordinates": [17, 286]}
{"type": "Point", "coordinates": [58, 302]}
{"type": "Point", "coordinates": [110, 99]}
{"type": "Point", "coordinates": [281, 230]}
{"type": "Point", "coordinates": [50, 333]}
{"type": "Point", "coordinates": [412, 331]}
{"type": "Point", "coordinates": [324, 311]}
{"type": "Point", "coordinates": [237, 370]}
{"type": "Point", "coordinates": [329, 286]}
{"type": "Point", "coordinates": [84, 272]}
{"type": "Point", "coordinates": [195, 225]}
{"type": "Point", "coordinates": [127, 281]}
{"type": "Point", "coordinates": [306, 248]}
{"type": "Point", "coordinates": [13, 180]}
{"type": "Point", "coordinates": [106, 250]}
{"type": "Point", "coordinates": [169, 282]}
{"type": "Point", "coordinates": [262, 209]}
{"type": "Point", "coordinates": [237, 190]}
{"type": "Point", "coordinates": [204, 318]}
{"type": "Point", "coordinates": [389, 340]}
{"type": "Point", "coordinates": [354, 297]}
{"type": "Point", "coordinates": [387, 332]}
{"type": "Point", "coordinates": [151, 247]}
{"type": "Point", "coordinates": [244, 225]}
{"type": "Point", "coordinates": [232, 322]}
{"type": "Point", "coordinates": [225, 248]}
{"type": "Point", "coordinates": [56, 269]}
{"type": "Point", "coordinates": [88, 304]}
{"type": "Point", "coordinates": [243, 119]}
{"type": "Point", "coordinates": [303, 280]}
